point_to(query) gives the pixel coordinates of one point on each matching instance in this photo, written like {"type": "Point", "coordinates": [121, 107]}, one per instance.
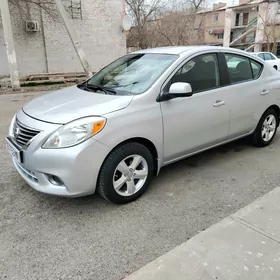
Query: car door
{"type": "Point", "coordinates": [246, 94]}
{"type": "Point", "coordinates": [194, 123]}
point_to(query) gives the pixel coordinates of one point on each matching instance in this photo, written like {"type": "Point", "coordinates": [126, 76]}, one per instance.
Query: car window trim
{"type": "Point", "coordinates": [181, 65]}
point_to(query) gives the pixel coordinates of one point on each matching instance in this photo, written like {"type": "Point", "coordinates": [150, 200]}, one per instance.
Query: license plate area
{"type": "Point", "coordinates": [14, 150]}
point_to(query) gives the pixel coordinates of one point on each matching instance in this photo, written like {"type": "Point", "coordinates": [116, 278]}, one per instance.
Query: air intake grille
{"type": "Point", "coordinates": [23, 134]}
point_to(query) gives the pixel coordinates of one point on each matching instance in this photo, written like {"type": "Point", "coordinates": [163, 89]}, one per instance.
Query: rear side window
{"type": "Point", "coordinates": [239, 68]}
{"type": "Point", "coordinates": [268, 56]}
{"type": "Point", "coordinates": [261, 55]}
{"type": "Point", "coordinates": [256, 68]}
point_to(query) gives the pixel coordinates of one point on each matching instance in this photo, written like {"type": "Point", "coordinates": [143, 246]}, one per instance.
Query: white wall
{"type": "Point", "coordinates": [99, 30]}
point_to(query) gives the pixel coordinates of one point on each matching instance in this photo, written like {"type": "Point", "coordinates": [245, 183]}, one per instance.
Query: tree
{"type": "Point", "coordinates": [271, 34]}
{"type": "Point", "coordinates": [142, 12]}
{"type": "Point", "coordinates": [25, 6]}
{"type": "Point", "coordinates": [180, 25]}
{"type": "Point", "coordinates": [162, 22]}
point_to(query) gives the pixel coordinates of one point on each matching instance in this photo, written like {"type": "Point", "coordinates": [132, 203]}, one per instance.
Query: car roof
{"type": "Point", "coordinates": [262, 52]}
{"type": "Point", "coordinates": [174, 49]}
{"type": "Point", "coordinates": [177, 50]}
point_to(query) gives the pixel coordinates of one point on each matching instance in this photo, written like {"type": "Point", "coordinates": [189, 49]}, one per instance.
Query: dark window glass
{"type": "Point", "coordinates": [201, 72]}
{"type": "Point", "coordinates": [256, 69]}
{"type": "Point", "coordinates": [239, 68]}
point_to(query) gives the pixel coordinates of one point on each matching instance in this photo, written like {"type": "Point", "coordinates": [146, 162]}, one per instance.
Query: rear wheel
{"type": "Point", "coordinates": [126, 173]}
{"type": "Point", "coordinates": [266, 129]}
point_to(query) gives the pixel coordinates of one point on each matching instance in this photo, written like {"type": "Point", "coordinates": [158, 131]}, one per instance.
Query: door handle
{"type": "Point", "coordinates": [264, 92]}
{"type": "Point", "coordinates": [219, 103]}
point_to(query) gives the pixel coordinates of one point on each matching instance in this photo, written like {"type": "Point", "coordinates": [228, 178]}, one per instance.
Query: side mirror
{"type": "Point", "coordinates": [177, 90]}
{"type": "Point", "coordinates": [181, 89]}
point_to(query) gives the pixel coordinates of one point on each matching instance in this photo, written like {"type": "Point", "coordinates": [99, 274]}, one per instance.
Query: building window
{"type": "Point", "coordinates": [237, 19]}
{"type": "Point", "coordinates": [215, 18]}
{"type": "Point", "coordinates": [220, 36]}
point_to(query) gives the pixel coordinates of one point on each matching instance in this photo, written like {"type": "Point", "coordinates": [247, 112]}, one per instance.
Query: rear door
{"type": "Point", "coordinates": [247, 94]}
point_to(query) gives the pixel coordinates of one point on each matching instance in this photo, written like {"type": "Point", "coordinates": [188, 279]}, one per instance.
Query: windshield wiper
{"type": "Point", "coordinates": [106, 90]}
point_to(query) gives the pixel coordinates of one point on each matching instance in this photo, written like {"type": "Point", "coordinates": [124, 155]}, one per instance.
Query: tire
{"type": "Point", "coordinates": [258, 138]}
{"type": "Point", "coordinates": [275, 67]}
{"type": "Point", "coordinates": [118, 170]}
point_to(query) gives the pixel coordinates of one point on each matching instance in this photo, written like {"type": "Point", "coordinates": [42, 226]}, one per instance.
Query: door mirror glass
{"type": "Point", "coordinates": [180, 89]}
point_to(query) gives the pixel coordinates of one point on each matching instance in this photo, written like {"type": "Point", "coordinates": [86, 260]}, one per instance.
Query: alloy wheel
{"type": "Point", "coordinates": [269, 128]}
{"type": "Point", "coordinates": [130, 175]}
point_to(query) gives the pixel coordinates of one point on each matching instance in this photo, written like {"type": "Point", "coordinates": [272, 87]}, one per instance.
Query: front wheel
{"type": "Point", "coordinates": [266, 129]}
{"type": "Point", "coordinates": [125, 173]}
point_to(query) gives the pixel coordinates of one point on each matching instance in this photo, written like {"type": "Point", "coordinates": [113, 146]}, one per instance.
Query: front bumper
{"type": "Point", "coordinates": [77, 167]}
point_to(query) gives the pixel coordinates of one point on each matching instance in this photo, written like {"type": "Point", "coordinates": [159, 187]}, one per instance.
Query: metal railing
{"type": "Point", "coordinates": [250, 26]}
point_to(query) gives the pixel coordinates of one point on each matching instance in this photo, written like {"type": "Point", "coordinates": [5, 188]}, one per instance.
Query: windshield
{"type": "Point", "coordinates": [131, 74]}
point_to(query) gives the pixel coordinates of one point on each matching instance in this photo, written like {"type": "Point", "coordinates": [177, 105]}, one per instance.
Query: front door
{"type": "Point", "coordinates": [200, 121]}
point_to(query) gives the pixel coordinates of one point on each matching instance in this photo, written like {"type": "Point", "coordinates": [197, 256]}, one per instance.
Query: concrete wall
{"type": "Point", "coordinates": [50, 49]}
{"type": "Point", "coordinates": [4, 68]}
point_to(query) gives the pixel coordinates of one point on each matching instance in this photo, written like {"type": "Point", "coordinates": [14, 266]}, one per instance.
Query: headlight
{"type": "Point", "coordinates": [75, 132]}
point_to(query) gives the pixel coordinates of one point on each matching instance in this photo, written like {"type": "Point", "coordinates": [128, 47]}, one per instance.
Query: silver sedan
{"type": "Point", "coordinates": [115, 131]}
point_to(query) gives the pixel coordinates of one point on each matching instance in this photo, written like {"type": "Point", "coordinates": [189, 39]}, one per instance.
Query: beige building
{"type": "Point", "coordinates": [250, 25]}
{"type": "Point", "coordinates": [212, 23]}
{"type": "Point", "coordinates": [253, 26]}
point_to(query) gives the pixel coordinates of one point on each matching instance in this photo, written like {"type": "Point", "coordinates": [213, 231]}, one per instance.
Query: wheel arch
{"type": "Point", "coordinates": [277, 109]}
{"type": "Point", "coordinates": [148, 144]}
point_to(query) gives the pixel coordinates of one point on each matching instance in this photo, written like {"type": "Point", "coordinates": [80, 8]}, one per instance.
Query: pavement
{"type": "Point", "coordinates": [246, 245]}
{"type": "Point", "coordinates": [47, 237]}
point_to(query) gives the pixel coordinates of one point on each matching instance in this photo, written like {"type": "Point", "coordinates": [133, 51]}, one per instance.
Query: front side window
{"type": "Point", "coordinates": [131, 74]}
{"type": "Point", "coordinates": [239, 68]}
{"type": "Point", "coordinates": [201, 72]}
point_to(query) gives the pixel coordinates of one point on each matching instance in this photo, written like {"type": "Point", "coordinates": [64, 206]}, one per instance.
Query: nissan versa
{"type": "Point", "coordinates": [115, 131]}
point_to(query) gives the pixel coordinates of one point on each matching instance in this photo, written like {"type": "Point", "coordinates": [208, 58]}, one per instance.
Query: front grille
{"type": "Point", "coordinates": [23, 134]}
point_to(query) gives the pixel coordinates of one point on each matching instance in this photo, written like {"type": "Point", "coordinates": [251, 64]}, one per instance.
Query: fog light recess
{"type": "Point", "coordinates": [55, 180]}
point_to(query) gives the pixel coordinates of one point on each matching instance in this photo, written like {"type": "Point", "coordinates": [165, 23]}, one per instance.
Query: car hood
{"type": "Point", "coordinates": [71, 103]}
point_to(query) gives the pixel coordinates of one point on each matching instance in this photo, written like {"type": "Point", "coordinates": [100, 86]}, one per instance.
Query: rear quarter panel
{"type": "Point", "coordinates": [274, 95]}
